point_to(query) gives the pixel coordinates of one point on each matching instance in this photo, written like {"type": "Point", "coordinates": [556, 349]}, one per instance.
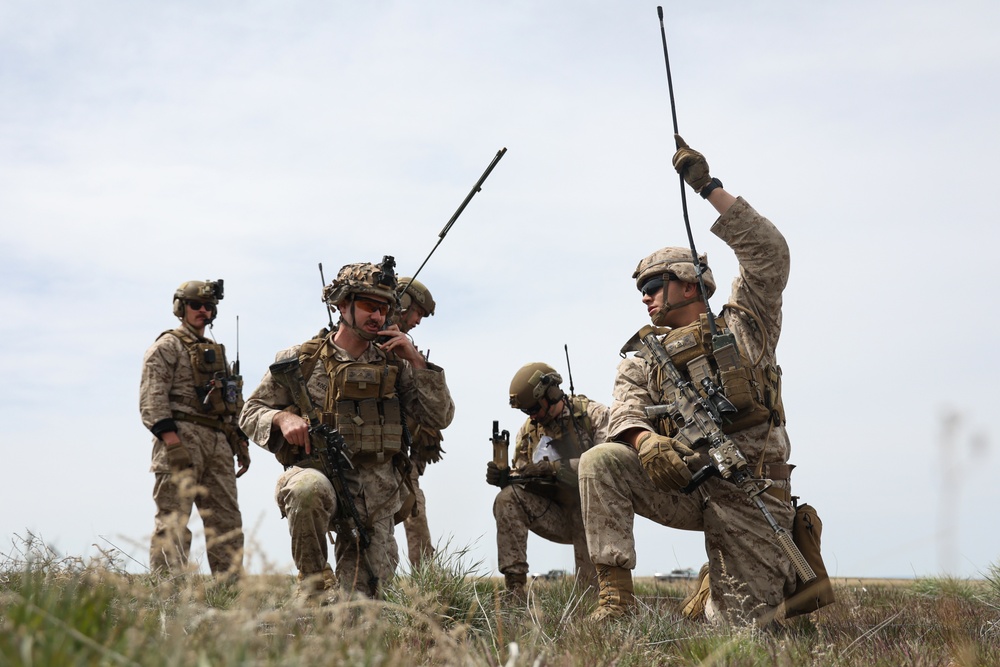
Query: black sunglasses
{"type": "Point", "coordinates": [653, 285]}
{"type": "Point", "coordinates": [198, 305]}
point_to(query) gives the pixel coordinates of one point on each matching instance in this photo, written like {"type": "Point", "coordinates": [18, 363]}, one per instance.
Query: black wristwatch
{"type": "Point", "coordinates": [707, 190]}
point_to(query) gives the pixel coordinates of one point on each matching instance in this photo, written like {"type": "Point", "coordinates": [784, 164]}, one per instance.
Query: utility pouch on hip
{"type": "Point", "coordinates": [806, 532]}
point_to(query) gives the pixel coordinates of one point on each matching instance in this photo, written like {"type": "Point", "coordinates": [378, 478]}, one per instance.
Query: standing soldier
{"type": "Point", "coordinates": [189, 398]}
{"type": "Point", "coordinates": [540, 492]}
{"type": "Point", "coordinates": [644, 469]}
{"type": "Point", "coordinates": [367, 391]}
{"type": "Point", "coordinates": [416, 303]}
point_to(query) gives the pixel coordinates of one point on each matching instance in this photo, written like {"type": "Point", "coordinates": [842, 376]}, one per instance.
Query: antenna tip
{"type": "Point", "coordinates": [659, 12]}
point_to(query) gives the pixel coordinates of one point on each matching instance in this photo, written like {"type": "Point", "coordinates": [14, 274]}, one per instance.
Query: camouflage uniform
{"type": "Point", "coordinates": [168, 388]}
{"type": "Point", "coordinates": [306, 497]}
{"type": "Point", "coordinates": [550, 510]}
{"type": "Point", "coordinates": [748, 572]}
{"type": "Point", "coordinates": [418, 533]}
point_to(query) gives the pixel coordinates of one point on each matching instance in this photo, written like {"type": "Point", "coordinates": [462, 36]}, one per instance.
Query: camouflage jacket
{"type": "Point", "coordinates": [764, 266]}
{"type": "Point", "coordinates": [167, 384]}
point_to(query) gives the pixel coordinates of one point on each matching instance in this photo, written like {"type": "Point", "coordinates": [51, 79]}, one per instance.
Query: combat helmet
{"type": "Point", "coordinates": [677, 262]}
{"type": "Point", "coordinates": [209, 291]}
{"type": "Point", "coordinates": [412, 291]}
{"type": "Point", "coordinates": [363, 278]}
{"type": "Point", "coordinates": [531, 383]}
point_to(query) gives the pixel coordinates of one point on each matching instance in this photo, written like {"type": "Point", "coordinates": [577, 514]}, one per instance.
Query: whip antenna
{"type": "Point", "coordinates": [684, 209]}
{"type": "Point", "coordinates": [444, 232]}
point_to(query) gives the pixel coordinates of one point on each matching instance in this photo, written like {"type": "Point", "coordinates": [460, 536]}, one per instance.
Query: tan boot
{"type": "Point", "coordinates": [616, 598]}
{"type": "Point", "coordinates": [693, 606]}
{"type": "Point", "coordinates": [515, 587]}
{"type": "Point", "coordinates": [316, 589]}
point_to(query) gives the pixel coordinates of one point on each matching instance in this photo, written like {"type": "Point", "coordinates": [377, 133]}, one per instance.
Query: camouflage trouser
{"type": "Point", "coordinates": [307, 499]}
{"type": "Point", "coordinates": [748, 572]}
{"type": "Point", "coordinates": [211, 486]}
{"type": "Point", "coordinates": [518, 510]}
{"type": "Point", "coordinates": [418, 534]}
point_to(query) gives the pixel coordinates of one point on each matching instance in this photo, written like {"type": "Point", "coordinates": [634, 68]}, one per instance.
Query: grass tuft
{"type": "Point", "coordinates": [60, 610]}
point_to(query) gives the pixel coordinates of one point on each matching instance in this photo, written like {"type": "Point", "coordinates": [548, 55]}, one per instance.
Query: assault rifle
{"type": "Point", "coordinates": [697, 419]}
{"type": "Point", "coordinates": [329, 445]}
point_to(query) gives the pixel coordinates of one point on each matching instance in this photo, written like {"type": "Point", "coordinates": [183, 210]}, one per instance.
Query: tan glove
{"type": "Point", "coordinates": [178, 457]}
{"type": "Point", "coordinates": [242, 457]}
{"type": "Point", "coordinates": [660, 457]}
{"type": "Point", "coordinates": [692, 165]}
{"type": "Point", "coordinates": [541, 469]}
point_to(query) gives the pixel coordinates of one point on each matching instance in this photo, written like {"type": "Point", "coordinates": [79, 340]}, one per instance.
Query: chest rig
{"type": "Point", "coordinates": [571, 435]}
{"type": "Point", "coordinates": [219, 391]}
{"type": "Point", "coordinates": [753, 389]}
{"type": "Point", "coordinates": [361, 402]}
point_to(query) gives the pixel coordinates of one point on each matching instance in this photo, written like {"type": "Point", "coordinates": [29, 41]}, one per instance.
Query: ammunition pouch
{"type": "Point", "coordinates": [366, 410]}
{"type": "Point", "coordinates": [755, 391]}
{"type": "Point", "coordinates": [806, 532]}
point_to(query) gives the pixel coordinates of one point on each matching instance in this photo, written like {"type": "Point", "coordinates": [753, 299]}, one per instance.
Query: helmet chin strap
{"type": "Point", "coordinates": [355, 328]}
{"type": "Point", "coordinates": [659, 318]}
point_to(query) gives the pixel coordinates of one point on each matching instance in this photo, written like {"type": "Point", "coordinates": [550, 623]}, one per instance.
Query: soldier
{"type": "Point", "coordinates": [367, 390]}
{"type": "Point", "coordinates": [540, 491]}
{"type": "Point", "coordinates": [416, 303]}
{"type": "Point", "coordinates": [189, 397]}
{"type": "Point", "coordinates": [643, 469]}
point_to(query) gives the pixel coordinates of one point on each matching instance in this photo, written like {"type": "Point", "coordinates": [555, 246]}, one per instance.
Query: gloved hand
{"type": "Point", "coordinates": [692, 165]}
{"type": "Point", "coordinates": [178, 457]}
{"type": "Point", "coordinates": [243, 457]}
{"type": "Point", "coordinates": [541, 469]}
{"type": "Point", "coordinates": [660, 457]}
{"type": "Point", "coordinates": [496, 476]}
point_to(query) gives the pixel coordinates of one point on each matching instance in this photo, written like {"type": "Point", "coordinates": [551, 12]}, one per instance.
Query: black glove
{"type": "Point", "coordinates": [496, 476]}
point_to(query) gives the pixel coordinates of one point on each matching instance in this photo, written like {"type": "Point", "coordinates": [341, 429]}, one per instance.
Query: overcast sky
{"type": "Point", "coordinates": [145, 144]}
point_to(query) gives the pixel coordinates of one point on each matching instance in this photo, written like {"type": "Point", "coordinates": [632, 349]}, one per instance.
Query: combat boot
{"type": "Point", "coordinates": [694, 605]}
{"type": "Point", "coordinates": [317, 589]}
{"type": "Point", "coordinates": [616, 598]}
{"type": "Point", "coordinates": [514, 587]}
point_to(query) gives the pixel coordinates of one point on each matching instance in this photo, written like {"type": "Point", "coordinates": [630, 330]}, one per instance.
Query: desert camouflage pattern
{"type": "Point", "coordinates": [676, 261]}
{"type": "Point", "coordinates": [749, 573]}
{"type": "Point", "coordinates": [553, 513]}
{"type": "Point", "coordinates": [307, 498]}
{"type": "Point", "coordinates": [418, 532]}
{"type": "Point", "coordinates": [210, 484]}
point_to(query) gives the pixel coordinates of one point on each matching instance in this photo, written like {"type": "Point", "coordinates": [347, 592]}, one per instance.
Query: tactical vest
{"type": "Point", "coordinates": [576, 432]}
{"type": "Point", "coordinates": [219, 392]}
{"type": "Point", "coordinates": [754, 390]}
{"type": "Point", "coordinates": [361, 402]}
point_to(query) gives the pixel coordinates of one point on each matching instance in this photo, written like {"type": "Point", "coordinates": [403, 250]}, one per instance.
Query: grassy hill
{"type": "Point", "coordinates": [62, 611]}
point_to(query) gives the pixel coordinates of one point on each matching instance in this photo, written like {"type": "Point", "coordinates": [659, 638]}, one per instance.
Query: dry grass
{"type": "Point", "coordinates": [58, 610]}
